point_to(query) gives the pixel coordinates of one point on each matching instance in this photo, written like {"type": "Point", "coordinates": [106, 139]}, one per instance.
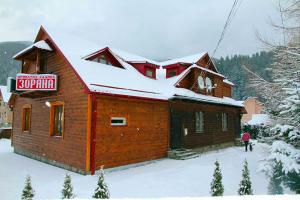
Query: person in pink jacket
{"type": "Point", "coordinates": [246, 138]}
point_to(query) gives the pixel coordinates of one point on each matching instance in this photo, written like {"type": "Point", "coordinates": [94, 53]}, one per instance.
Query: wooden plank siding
{"type": "Point", "coordinates": [213, 134]}
{"type": "Point", "coordinates": [71, 150]}
{"type": "Point", "coordinates": [145, 136]}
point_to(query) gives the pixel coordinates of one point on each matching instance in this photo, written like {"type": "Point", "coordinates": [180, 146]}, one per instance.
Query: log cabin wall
{"type": "Point", "coordinates": [70, 151]}
{"type": "Point", "coordinates": [183, 113]}
{"type": "Point", "coordinates": [227, 90]}
{"type": "Point", "coordinates": [144, 137]}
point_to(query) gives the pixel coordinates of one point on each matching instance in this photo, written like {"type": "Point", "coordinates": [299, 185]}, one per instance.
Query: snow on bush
{"type": "Point", "coordinates": [284, 153]}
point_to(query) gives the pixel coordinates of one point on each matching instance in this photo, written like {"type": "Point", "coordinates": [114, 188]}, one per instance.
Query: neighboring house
{"type": "Point", "coordinates": [5, 113]}
{"type": "Point", "coordinates": [253, 107]}
{"type": "Point", "coordinates": [112, 108]}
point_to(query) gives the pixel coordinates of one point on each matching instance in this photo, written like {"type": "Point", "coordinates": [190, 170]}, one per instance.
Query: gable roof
{"type": "Point", "coordinates": [104, 79]}
{"type": "Point", "coordinates": [38, 45]}
{"type": "Point", "coordinates": [5, 94]}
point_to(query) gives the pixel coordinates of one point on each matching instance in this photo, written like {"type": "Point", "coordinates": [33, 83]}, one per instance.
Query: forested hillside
{"type": "Point", "coordinates": [231, 68]}
{"type": "Point", "coordinates": [8, 66]}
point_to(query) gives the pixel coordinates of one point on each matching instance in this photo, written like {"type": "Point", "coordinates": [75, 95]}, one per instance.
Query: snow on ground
{"type": "Point", "coordinates": [162, 178]}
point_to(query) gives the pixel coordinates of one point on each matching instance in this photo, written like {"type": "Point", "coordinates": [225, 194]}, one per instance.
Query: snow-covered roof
{"type": "Point", "coordinates": [181, 93]}
{"type": "Point", "coordinates": [39, 45]}
{"type": "Point", "coordinates": [106, 79]}
{"type": "Point", "coordinates": [129, 57]}
{"type": "Point", "coordinates": [258, 119]}
{"type": "Point", "coordinates": [5, 94]}
{"type": "Point", "coordinates": [191, 59]}
{"type": "Point", "coordinates": [228, 82]}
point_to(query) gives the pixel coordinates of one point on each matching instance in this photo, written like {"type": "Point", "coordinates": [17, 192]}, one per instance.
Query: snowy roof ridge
{"type": "Point", "coordinates": [228, 82]}
{"type": "Point", "coordinates": [39, 45]}
{"type": "Point", "coordinates": [5, 94]}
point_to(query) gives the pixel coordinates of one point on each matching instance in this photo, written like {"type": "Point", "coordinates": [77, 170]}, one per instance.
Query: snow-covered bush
{"type": "Point", "coordinates": [28, 192]}
{"type": "Point", "coordinates": [288, 158]}
{"type": "Point", "coordinates": [245, 187]}
{"type": "Point", "coordinates": [216, 186]}
{"type": "Point", "coordinates": [67, 191]}
{"type": "Point", "coordinates": [276, 179]}
{"type": "Point", "coordinates": [101, 192]}
{"type": "Point", "coordinates": [287, 133]}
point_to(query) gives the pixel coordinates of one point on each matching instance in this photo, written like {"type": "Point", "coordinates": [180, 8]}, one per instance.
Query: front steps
{"type": "Point", "coordinates": [182, 154]}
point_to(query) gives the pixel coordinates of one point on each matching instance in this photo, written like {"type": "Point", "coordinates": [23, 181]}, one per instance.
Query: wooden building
{"type": "Point", "coordinates": [253, 106]}
{"type": "Point", "coordinates": [79, 105]}
{"type": "Point", "coordinates": [5, 113]}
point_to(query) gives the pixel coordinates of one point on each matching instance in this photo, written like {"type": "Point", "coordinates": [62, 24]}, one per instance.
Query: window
{"type": "Point", "coordinates": [102, 59]}
{"type": "Point", "coordinates": [224, 121]}
{"type": "Point", "coordinates": [199, 122]}
{"type": "Point", "coordinates": [57, 119]}
{"type": "Point", "coordinates": [118, 121]}
{"type": "Point", "coordinates": [26, 117]}
{"type": "Point", "coordinates": [172, 72]}
{"type": "Point", "coordinates": [150, 73]}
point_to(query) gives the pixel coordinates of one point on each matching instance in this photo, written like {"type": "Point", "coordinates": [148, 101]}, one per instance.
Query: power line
{"type": "Point", "coordinates": [232, 13]}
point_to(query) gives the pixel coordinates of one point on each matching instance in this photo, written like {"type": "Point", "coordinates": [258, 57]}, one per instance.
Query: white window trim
{"type": "Point", "coordinates": [118, 124]}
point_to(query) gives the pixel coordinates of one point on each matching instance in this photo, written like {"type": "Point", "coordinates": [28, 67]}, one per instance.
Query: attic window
{"type": "Point", "coordinates": [102, 59]}
{"type": "Point", "coordinates": [150, 73]}
{"type": "Point", "coordinates": [172, 72]}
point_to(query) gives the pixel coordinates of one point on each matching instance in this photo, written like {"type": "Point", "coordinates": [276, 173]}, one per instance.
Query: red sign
{"type": "Point", "coordinates": [39, 82]}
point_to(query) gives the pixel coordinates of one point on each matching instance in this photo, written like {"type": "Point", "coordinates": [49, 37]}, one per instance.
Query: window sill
{"type": "Point", "coordinates": [25, 131]}
{"type": "Point", "coordinates": [56, 136]}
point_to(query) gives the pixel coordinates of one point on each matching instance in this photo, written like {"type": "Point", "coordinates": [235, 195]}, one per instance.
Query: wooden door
{"type": "Point", "coordinates": [176, 132]}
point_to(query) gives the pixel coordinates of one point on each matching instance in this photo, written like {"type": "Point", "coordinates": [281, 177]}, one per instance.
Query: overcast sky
{"type": "Point", "coordinates": [157, 29]}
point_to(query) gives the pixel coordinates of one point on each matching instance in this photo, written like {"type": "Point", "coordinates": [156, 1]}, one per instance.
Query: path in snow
{"type": "Point", "coordinates": [163, 178]}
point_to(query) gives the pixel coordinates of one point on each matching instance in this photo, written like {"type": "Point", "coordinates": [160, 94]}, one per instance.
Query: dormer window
{"type": "Point", "coordinates": [102, 59]}
{"type": "Point", "coordinates": [175, 69]}
{"type": "Point", "coordinates": [172, 72]}
{"type": "Point", "coordinates": [150, 72]}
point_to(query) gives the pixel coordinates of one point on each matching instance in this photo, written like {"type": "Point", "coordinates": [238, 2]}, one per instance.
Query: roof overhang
{"type": "Point", "coordinates": [193, 99]}
{"type": "Point", "coordinates": [42, 44]}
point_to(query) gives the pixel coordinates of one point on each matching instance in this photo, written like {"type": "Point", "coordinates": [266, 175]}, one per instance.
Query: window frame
{"type": "Point", "coordinates": [52, 115]}
{"type": "Point", "coordinates": [152, 71]}
{"type": "Point", "coordinates": [224, 116]}
{"type": "Point", "coordinates": [170, 71]}
{"type": "Point", "coordinates": [26, 107]}
{"type": "Point", "coordinates": [201, 122]}
{"type": "Point", "coordinates": [124, 123]}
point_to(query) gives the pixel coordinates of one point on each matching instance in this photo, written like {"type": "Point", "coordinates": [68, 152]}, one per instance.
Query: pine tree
{"type": "Point", "coordinates": [216, 186]}
{"type": "Point", "coordinates": [245, 184]}
{"type": "Point", "coordinates": [28, 192]}
{"type": "Point", "coordinates": [101, 192]}
{"type": "Point", "coordinates": [67, 191]}
{"type": "Point", "coordinates": [276, 179]}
